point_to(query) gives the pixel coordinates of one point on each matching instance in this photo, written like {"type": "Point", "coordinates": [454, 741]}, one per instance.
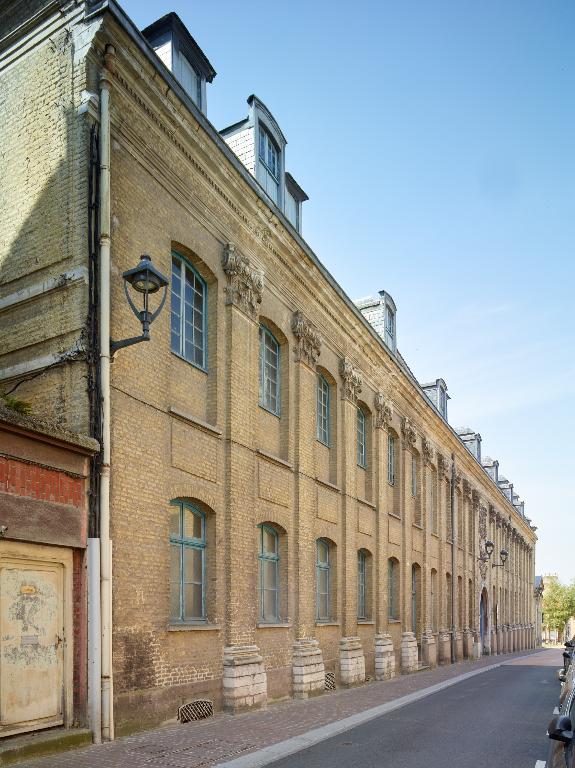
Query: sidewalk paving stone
{"type": "Point", "coordinates": [225, 736]}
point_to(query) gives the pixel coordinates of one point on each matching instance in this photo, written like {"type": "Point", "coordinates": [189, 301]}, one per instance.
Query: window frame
{"type": "Point", "coordinates": [264, 332]}
{"type": "Point", "coordinates": [185, 265]}
{"type": "Point", "coordinates": [265, 557]}
{"type": "Point", "coordinates": [362, 612]}
{"type": "Point", "coordinates": [323, 404]}
{"type": "Point", "coordinates": [323, 566]}
{"type": "Point", "coordinates": [414, 475]}
{"type": "Point", "coordinates": [184, 543]}
{"type": "Point", "coordinates": [391, 460]}
{"type": "Point", "coordinates": [389, 326]}
{"type": "Point", "coordinates": [393, 597]}
{"type": "Point", "coordinates": [361, 438]}
{"type": "Point", "coordinates": [268, 143]}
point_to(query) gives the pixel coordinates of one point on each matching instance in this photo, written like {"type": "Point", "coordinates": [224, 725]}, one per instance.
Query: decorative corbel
{"type": "Point", "coordinates": [408, 433]}
{"type": "Point", "coordinates": [308, 341]}
{"type": "Point", "coordinates": [352, 380]}
{"type": "Point", "coordinates": [383, 410]}
{"type": "Point", "coordinates": [245, 284]}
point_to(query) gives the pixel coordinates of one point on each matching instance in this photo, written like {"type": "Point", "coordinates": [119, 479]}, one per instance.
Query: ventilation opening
{"type": "Point", "coordinates": [195, 710]}
{"type": "Point", "coordinates": [329, 681]}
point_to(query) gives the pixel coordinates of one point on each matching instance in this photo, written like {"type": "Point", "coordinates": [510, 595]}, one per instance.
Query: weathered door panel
{"type": "Point", "coordinates": [31, 645]}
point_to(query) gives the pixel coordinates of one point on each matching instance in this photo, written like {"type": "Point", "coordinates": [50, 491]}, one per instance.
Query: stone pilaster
{"type": "Point", "coordinates": [467, 643]}
{"type": "Point", "coordinates": [476, 647]}
{"type": "Point", "coordinates": [444, 649]}
{"type": "Point", "coordinates": [384, 657]}
{"type": "Point", "coordinates": [458, 645]}
{"type": "Point", "coordinates": [244, 678]}
{"type": "Point", "coordinates": [307, 668]}
{"type": "Point", "coordinates": [409, 655]}
{"type": "Point", "coordinates": [351, 661]}
{"type": "Point", "coordinates": [428, 649]}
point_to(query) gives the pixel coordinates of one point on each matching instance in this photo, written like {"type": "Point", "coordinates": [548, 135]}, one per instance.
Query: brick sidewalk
{"type": "Point", "coordinates": [209, 742]}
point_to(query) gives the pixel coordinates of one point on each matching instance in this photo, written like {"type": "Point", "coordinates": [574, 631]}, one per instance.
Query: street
{"type": "Point", "coordinates": [496, 717]}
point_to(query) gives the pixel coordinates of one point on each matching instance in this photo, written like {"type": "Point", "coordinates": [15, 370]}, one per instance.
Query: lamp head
{"type": "Point", "coordinates": [145, 278]}
{"type": "Point", "coordinates": [489, 547]}
{"type": "Point", "coordinates": [504, 554]}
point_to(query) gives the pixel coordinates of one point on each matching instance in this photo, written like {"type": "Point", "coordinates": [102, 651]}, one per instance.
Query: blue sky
{"type": "Point", "coordinates": [435, 140]}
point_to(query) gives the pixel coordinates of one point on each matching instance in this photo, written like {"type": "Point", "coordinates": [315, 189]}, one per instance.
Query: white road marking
{"type": "Point", "coordinates": [555, 712]}
{"type": "Point", "coordinates": [540, 764]}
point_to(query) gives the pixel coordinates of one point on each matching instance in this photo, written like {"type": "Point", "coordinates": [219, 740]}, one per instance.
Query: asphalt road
{"type": "Point", "coordinates": [495, 719]}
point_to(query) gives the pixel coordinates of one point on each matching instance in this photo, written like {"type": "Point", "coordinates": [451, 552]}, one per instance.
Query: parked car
{"type": "Point", "coordinates": [560, 729]}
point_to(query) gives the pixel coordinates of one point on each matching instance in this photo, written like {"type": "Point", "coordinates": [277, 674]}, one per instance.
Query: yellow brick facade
{"type": "Point", "coordinates": [179, 432]}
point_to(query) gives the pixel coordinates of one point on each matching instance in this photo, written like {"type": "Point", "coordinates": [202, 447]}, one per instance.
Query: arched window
{"type": "Point", "coordinates": [323, 577]}
{"type": "Point", "coordinates": [415, 598]}
{"type": "Point", "coordinates": [269, 574]}
{"type": "Point", "coordinates": [393, 588]}
{"type": "Point", "coordinates": [269, 371]}
{"type": "Point", "coordinates": [448, 589]}
{"type": "Point", "coordinates": [323, 407]}
{"type": "Point", "coordinates": [268, 172]}
{"type": "Point", "coordinates": [187, 558]}
{"type": "Point", "coordinates": [362, 585]}
{"type": "Point", "coordinates": [391, 459]}
{"type": "Point", "coordinates": [413, 475]}
{"type": "Point", "coordinates": [434, 601]}
{"type": "Point", "coordinates": [361, 439]}
{"type": "Point", "coordinates": [188, 313]}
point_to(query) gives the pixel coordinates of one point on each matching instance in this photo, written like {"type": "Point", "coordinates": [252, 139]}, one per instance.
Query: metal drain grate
{"type": "Point", "coordinates": [195, 710]}
{"type": "Point", "coordinates": [329, 681]}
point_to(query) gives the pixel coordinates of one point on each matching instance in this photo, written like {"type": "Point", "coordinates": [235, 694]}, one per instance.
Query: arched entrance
{"type": "Point", "coordinates": [484, 621]}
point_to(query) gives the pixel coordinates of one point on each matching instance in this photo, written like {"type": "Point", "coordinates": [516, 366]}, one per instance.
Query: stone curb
{"type": "Point", "coordinates": [288, 747]}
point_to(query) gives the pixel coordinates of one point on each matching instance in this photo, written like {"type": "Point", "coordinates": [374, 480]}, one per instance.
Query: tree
{"type": "Point", "coordinates": [558, 604]}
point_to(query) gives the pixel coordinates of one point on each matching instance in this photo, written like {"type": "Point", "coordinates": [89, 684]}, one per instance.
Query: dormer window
{"type": "Point", "coordinates": [180, 53]}
{"type": "Point", "coordinates": [190, 80]}
{"type": "Point", "coordinates": [259, 143]}
{"type": "Point", "coordinates": [443, 402]}
{"type": "Point", "coordinates": [389, 326]}
{"type": "Point", "coordinates": [269, 164]}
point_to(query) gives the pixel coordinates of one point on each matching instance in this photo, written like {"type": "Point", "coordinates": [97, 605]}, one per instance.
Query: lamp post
{"type": "Point", "coordinates": [145, 280]}
{"type": "Point", "coordinates": [504, 554]}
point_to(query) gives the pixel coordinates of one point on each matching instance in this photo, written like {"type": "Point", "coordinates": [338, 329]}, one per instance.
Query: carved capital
{"type": "Point", "coordinates": [492, 513]}
{"type": "Point", "coordinates": [245, 284]}
{"type": "Point", "coordinates": [408, 432]}
{"type": "Point", "coordinates": [475, 499]}
{"type": "Point", "coordinates": [308, 340]}
{"type": "Point", "coordinates": [443, 469]}
{"type": "Point", "coordinates": [383, 410]}
{"type": "Point", "coordinates": [457, 480]}
{"type": "Point", "coordinates": [466, 488]}
{"type": "Point", "coordinates": [427, 450]}
{"type": "Point", "coordinates": [352, 380]}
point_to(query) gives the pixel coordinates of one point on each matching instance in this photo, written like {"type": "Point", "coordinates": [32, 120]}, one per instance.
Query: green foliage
{"type": "Point", "coordinates": [558, 604]}
{"type": "Point", "coordinates": [15, 403]}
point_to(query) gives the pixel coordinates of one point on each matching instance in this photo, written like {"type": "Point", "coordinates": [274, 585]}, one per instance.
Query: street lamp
{"type": "Point", "coordinates": [489, 547]}
{"type": "Point", "coordinates": [504, 554]}
{"type": "Point", "coordinates": [144, 279]}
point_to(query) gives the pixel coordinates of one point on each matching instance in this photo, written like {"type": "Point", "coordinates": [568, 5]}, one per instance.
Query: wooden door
{"type": "Point", "coordinates": [31, 645]}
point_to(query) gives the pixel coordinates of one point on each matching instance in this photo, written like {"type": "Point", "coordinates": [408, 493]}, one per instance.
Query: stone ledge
{"type": "Point", "coordinates": [41, 743]}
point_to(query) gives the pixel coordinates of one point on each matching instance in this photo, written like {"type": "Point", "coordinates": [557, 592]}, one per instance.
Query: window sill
{"type": "Point", "coordinates": [391, 485]}
{"type": "Point", "coordinates": [367, 503]}
{"type": "Point", "coordinates": [435, 534]}
{"type": "Point", "coordinates": [418, 525]}
{"type": "Point", "coordinates": [366, 622]}
{"type": "Point", "coordinates": [187, 417]}
{"type": "Point", "coordinates": [189, 362]}
{"type": "Point", "coordinates": [327, 623]}
{"type": "Point", "coordinates": [193, 627]}
{"type": "Point", "coordinates": [271, 413]}
{"type": "Point", "coordinates": [274, 625]}
{"type": "Point", "coordinates": [392, 514]}
{"type": "Point", "coordinates": [328, 484]}
{"type": "Point", "coordinates": [322, 442]}
{"type": "Point", "coordinates": [394, 621]}
{"type": "Point", "coordinates": [362, 466]}
{"type": "Point", "coordinates": [274, 459]}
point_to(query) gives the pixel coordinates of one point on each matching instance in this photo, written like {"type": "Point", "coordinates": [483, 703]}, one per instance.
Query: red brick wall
{"type": "Point", "coordinates": [27, 479]}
